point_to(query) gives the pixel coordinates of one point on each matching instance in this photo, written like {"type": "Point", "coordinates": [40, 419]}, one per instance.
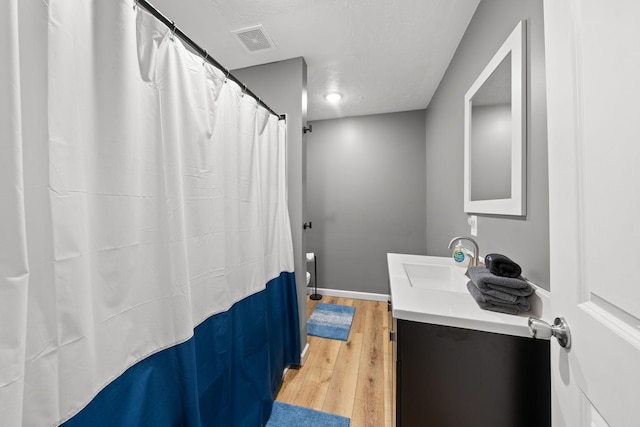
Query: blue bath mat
{"type": "Point", "coordinates": [331, 321]}
{"type": "Point", "coordinates": [285, 415]}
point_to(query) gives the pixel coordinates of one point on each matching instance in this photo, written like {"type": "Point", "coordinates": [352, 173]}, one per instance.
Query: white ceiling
{"type": "Point", "coordinates": [383, 55]}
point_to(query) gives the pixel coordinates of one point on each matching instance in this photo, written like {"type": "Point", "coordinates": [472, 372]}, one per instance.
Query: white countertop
{"type": "Point", "coordinates": [448, 302]}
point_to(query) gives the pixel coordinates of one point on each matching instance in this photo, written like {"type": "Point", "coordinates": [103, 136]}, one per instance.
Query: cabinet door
{"type": "Point", "coordinates": [455, 377]}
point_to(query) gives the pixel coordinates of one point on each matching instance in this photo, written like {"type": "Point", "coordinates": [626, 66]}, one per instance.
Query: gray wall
{"type": "Point", "coordinates": [283, 86]}
{"type": "Point", "coordinates": [526, 239]}
{"type": "Point", "coordinates": [366, 197]}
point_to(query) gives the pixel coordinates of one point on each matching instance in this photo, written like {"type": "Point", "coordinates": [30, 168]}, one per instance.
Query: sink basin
{"type": "Point", "coordinates": [437, 277]}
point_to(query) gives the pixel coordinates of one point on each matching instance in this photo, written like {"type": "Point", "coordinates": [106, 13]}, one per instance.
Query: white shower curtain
{"type": "Point", "coordinates": [140, 195]}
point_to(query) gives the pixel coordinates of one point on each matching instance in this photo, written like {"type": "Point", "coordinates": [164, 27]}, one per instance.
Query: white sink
{"type": "Point", "coordinates": [432, 289]}
{"type": "Point", "coordinates": [436, 277]}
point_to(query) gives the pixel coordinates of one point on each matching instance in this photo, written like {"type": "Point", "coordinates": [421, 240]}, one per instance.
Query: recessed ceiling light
{"type": "Point", "coordinates": [333, 96]}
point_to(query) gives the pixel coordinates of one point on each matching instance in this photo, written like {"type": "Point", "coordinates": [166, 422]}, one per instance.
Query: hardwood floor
{"type": "Point", "coordinates": [350, 378]}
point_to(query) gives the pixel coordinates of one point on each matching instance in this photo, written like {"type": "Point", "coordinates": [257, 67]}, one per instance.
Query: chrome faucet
{"type": "Point", "coordinates": [475, 260]}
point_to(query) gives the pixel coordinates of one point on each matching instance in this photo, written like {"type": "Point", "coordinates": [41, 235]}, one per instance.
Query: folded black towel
{"type": "Point", "coordinates": [497, 286]}
{"type": "Point", "coordinates": [502, 265]}
{"type": "Point", "coordinates": [487, 302]}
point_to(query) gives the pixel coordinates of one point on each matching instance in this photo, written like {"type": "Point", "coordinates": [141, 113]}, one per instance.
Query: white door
{"type": "Point", "coordinates": [593, 95]}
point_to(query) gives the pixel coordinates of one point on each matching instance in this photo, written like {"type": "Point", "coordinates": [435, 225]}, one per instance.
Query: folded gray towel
{"type": "Point", "coordinates": [486, 302]}
{"type": "Point", "coordinates": [500, 287]}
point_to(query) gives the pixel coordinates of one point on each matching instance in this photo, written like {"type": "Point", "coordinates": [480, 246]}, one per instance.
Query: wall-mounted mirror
{"type": "Point", "coordinates": [495, 132]}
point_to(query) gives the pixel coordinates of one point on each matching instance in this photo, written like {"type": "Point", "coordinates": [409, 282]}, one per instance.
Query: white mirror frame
{"type": "Point", "coordinates": [516, 204]}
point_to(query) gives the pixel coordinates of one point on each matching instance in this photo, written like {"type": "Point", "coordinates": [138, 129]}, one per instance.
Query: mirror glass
{"type": "Point", "coordinates": [495, 131]}
{"type": "Point", "coordinates": [491, 136]}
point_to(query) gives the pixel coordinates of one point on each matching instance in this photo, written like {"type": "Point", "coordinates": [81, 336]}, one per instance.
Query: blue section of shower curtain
{"type": "Point", "coordinates": [226, 375]}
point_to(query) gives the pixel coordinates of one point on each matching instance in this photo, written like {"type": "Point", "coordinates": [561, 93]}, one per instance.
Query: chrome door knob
{"type": "Point", "coordinates": [560, 329]}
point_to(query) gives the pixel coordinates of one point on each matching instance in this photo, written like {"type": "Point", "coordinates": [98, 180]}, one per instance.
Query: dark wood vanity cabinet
{"type": "Point", "coordinates": [454, 377]}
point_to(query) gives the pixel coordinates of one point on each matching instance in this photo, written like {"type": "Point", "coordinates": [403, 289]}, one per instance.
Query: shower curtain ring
{"type": "Point", "coordinates": [204, 58]}
{"type": "Point", "coordinates": [244, 89]}
{"type": "Point", "coordinates": [173, 29]}
{"type": "Point", "coordinates": [226, 77]}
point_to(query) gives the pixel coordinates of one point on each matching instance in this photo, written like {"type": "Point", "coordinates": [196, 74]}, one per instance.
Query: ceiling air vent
{"type": "Point", "coordinates": [254, 39]}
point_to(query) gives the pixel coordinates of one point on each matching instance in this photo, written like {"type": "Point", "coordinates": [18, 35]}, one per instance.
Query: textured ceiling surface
{"type": "Point", "coordinates": [382, 55]}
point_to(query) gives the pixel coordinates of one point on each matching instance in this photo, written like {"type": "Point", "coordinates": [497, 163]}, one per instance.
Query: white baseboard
{"type": "Point", "coordinates": [304, 354]}
{"type": "Point", "coordinates": [303, 358]}
{"type": "Point", "coordinates": [350, 294]}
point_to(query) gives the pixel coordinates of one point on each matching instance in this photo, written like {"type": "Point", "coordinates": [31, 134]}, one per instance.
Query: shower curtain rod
{"type": "Point", "coordinates": [202, 52]}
